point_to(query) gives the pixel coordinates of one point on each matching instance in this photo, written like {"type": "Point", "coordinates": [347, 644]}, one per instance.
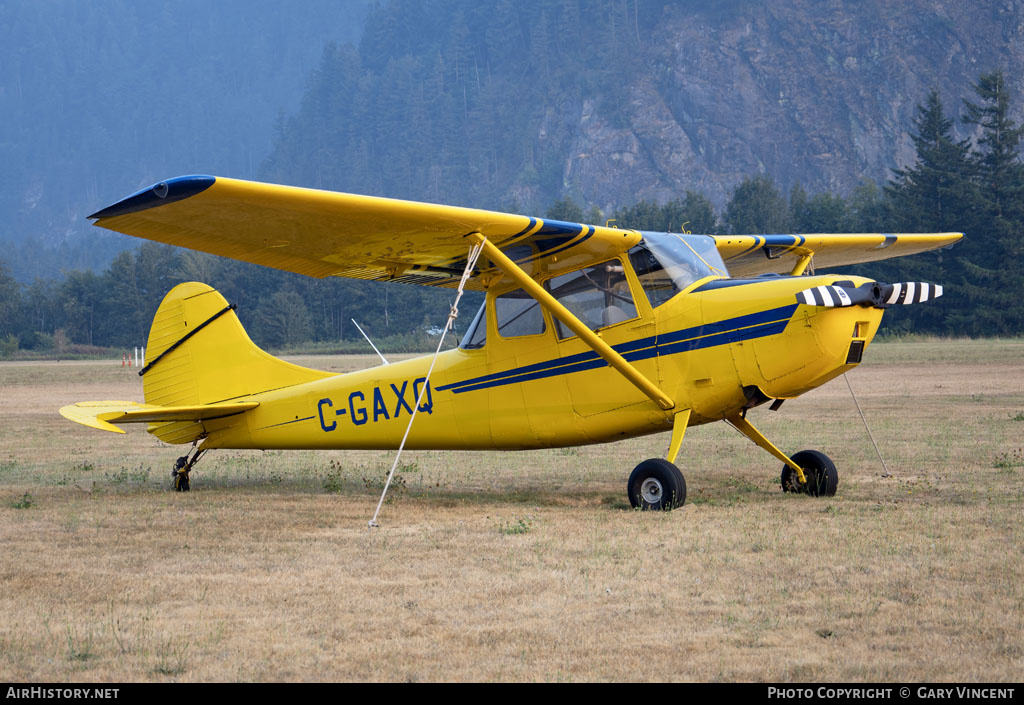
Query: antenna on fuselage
{"type": "Point", "coordinates": [383, 359]}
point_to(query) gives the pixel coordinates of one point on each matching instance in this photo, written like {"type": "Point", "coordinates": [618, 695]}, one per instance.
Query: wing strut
{"type": "Point", "coordinates": [802, 264]}
{"type": "Point", "coordinates": [614, 359]}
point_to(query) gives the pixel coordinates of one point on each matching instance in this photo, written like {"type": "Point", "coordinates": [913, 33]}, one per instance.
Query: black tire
{"type": "Point", "coordinates": [821, 473]}
{"type": "Point", "coordinates": [656, 485]}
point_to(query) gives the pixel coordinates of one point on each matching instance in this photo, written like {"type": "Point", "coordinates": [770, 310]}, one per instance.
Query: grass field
{"type": "Point", "coordinates": [527, 565]}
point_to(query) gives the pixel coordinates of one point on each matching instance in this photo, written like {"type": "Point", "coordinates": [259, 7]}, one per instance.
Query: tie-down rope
{"type": "Point", "coordinates": [866, 427]}
{"type": "Point", "coordinates": [474, 254]}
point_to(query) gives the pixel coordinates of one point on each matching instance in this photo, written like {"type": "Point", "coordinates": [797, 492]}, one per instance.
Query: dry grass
{"type": "Point", "coordinates": [526, 566]}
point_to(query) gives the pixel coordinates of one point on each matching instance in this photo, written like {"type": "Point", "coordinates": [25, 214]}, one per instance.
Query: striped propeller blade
{"type": "Point", "coordinates": [870, 294]}
{"type": "Point", "coordinates": [911, 293]}
{"type": "Point", "coordinates": [827, 295]}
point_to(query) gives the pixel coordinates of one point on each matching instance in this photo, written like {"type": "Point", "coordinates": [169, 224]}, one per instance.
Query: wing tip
{"type": "Point", "coordinates": [79, 413]}
{"type": "Point", "coordinates": [169, 191]}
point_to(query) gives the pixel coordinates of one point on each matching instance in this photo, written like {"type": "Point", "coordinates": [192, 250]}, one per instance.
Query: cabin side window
{"type": "Point", "coordinates": [517, 314]}
{"type": "Point", "coordinates": [656, 282]}
{"type": "Point", "coordinates": [599, 296]}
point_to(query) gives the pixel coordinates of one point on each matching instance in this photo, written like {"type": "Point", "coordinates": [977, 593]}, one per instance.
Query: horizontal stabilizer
{"type": "Point", "coordinates": [103, 414]}
{"type": "Point", "coordinates": [872, 294]}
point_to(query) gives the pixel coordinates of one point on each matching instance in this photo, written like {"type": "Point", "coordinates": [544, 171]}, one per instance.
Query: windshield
{"type": "Point", "coordinates": [667, 263]}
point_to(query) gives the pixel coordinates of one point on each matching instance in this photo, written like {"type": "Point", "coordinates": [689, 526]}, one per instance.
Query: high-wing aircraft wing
{"type": "Point", "coordinates": [325, 233]}
{"type": "Point", "coordinates": [750, 255]}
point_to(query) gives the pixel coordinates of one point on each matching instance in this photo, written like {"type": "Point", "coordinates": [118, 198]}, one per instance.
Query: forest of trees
{"type": "Point", "coordinates": [975, 186]}
{"type": "Point", "coordinates": [443, 99]}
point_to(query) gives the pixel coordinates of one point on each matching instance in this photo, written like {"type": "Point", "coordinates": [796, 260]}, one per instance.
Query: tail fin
{"type": "Point", "coordinates": [198, 353]}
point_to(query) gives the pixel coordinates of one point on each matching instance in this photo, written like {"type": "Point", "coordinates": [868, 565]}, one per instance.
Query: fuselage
{"type": "Point", "coordinates": [715, 347]}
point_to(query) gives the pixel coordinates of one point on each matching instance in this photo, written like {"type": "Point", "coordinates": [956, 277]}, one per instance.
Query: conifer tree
{"type": "Point", "coordinates": [992, 256]}
{"type": "Point", "coordinates": [565, 209]}
{"type": "Point", "coordinates": [999, 171]}
{"type": "Point", "coordinates": [10, 302]}
{"type": "Point", "coordinates": [935, 194]}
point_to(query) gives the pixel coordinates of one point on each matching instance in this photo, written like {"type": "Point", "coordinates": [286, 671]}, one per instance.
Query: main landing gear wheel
{"type": "Point", "coordinates": [820, 471]}
{"type": "Point", "coordinates": [656, 484]}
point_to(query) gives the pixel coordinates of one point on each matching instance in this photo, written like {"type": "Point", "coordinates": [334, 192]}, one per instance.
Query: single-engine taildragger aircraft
{"type": "Point", "coordinates": [588, 334]}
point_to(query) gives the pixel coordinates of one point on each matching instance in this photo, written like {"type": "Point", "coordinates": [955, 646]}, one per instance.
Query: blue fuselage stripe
{"type": "Point", "coordinates": [755, 325]}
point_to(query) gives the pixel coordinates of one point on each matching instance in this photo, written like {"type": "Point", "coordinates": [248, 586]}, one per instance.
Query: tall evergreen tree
{"type": "Point", "coordinates": [935, 194]}
{"type": "Point", "coordinates": [10, 302]}
{"type": "Point", "coordinates": [999, 171]}
{"type": "Point", "coordinates": [992, 257]}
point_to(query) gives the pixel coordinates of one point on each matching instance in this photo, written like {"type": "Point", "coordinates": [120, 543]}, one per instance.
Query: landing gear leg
{"type": "Point", "coordinates": [183, 466]}
{"type": "Point", "coordinates": [820, 479]}
{"type": "Point", "coordinates": [657, 484]}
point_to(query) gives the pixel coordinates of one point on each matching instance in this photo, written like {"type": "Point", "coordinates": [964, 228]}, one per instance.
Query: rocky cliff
{"type": "Point", "coordinates": [808, 92]}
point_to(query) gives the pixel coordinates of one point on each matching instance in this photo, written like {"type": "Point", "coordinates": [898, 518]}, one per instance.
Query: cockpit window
{"type": "Point", "coordinates": [599, 296]}
{"type": "Point", "coordinates": [667, 263]}
{"type": "Point", "coordinates": [476, 336]}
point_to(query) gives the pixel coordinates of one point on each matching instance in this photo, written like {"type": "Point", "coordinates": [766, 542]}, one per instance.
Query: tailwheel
{"type": "Point", "coordinates": [821, 473]}
{"type": "Point", "coordinates": [656, 484]}
{"type": "Point", "coordinates": [180, 474]}
{"type": "Point", "coordinates": [181, 483]}
{"type": "Point", "coordinates": [182, 467]}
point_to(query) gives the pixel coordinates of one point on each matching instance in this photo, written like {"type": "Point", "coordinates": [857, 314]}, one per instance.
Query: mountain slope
{"type": "Point", "coordinates": [611, 101]}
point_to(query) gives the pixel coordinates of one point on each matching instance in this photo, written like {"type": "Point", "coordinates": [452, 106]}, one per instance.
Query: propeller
{"type": "Point", "coordinates": [842, 294]}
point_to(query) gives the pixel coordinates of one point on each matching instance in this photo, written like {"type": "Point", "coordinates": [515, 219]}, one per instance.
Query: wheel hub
{"type": "Point", "coordinates": [651, 491]}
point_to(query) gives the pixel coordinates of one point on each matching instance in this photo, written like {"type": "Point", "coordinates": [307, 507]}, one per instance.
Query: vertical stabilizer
{"type": "Point", "coordinates": [198, 353]}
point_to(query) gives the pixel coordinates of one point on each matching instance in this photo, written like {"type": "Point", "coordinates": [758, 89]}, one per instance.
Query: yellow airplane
{"type": "Point", "coordinates": [588, 334]}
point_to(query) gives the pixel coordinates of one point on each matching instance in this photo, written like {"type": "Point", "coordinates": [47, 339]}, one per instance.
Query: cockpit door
{"type": "Point", "coordinates": [603, 297]}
